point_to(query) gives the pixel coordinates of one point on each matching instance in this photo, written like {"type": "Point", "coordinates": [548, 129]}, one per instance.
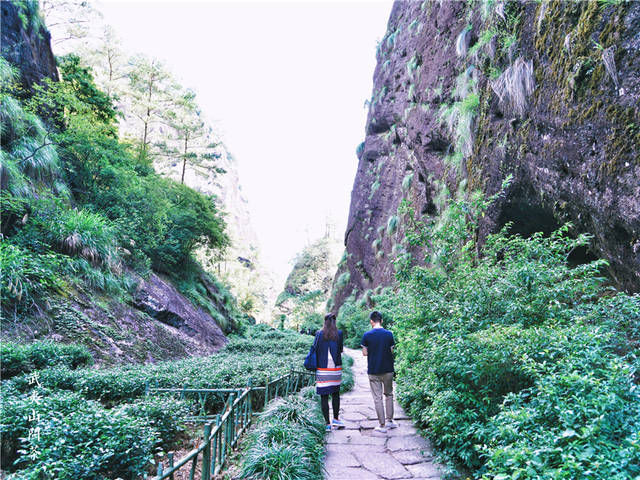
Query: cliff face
{"type": "Point", "coordinates": [240, 267]}
{"type": "Point", "coordinates": [301, 304]}
{"type": "Point", "coordinates": [465, 95]}
{"type": "Point", "coordinates": [26, 43]}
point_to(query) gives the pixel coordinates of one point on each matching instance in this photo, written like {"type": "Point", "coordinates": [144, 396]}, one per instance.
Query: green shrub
{"type": "Point", "coordinates": [576, 420]}
{"type": "Point", "coordinates": [353, 321]}
{"type": "Point", "coordinates": [518, 364]}
{"type": "Point", "coordinates": [18, 413]}
{"type": "Point", "coordinates": [163, 415]}
{"type": "Point", "coordinates": [347, 374]}
{"type": "Point", "coordinates": [79, 438]}
{"type": "Point", "coordinates": [16, 358]}
{"type": "Point", "coordinates": [353, 316]}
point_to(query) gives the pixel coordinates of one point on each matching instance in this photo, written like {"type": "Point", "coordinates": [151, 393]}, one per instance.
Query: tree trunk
{"type": "Point", "coordinates": [184, 161]}
{"type": "Point", "coordinates": [143, 148]}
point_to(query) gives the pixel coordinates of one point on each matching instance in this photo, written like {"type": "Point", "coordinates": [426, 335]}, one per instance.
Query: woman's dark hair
{"type": "Point", "coordinates": [329, 330]}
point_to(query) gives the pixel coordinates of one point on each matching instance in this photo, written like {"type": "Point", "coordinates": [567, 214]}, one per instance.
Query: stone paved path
{"type": "Point", "coordinates": [359, 453]}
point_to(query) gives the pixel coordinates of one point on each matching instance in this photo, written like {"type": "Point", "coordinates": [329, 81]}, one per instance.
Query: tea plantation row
{"type": "Point", "coordinates": [97, 423]}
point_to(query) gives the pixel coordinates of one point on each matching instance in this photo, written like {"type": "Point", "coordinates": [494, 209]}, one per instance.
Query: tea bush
{"type": "Point", "coordinates": [68, 443]}
{"type": "Point", "coordinates": [69, 402]}
{"type": "Point", "coordinates": [275, 354]}
{"type": "Point", "coordinates": [91, 444]}
{"type": "Point", "coordinates": [17, 358]}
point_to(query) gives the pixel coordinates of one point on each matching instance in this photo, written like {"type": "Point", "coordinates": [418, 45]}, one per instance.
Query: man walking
{"type": "Point", "coordinates": [377, 346]}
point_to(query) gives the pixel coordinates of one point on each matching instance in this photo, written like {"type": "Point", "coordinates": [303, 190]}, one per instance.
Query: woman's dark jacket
{"type": "Point", "coordinates": [323, 347]}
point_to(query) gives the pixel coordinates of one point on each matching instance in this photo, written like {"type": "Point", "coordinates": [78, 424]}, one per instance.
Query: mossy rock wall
{"type": "Point", "coordinates": [467, 93]}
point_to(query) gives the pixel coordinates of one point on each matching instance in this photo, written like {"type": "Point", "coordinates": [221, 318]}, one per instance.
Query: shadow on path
{"type": "Point", "coordinates": [360, 453]}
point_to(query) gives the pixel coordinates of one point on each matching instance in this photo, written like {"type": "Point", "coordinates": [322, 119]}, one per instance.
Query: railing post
{"type": "Point", "coordinates": [266, 392]}
{"type": "Point", "coordinates": [194, 463]}
{"type": "Point", "coordinates": [170, 457]}
{"type": "Point", "coordinates": [160, 471]}
{"type": "Point", "coordinates": [217, 446]}
{"type": "Point", "coordinates": [286, 394]}
{"type": "Point", "coordinates": [232, 417]}
{"type": "Point", "coordinates": [225, 431]}
{"type": "Point", "coordinates": [206, 453]}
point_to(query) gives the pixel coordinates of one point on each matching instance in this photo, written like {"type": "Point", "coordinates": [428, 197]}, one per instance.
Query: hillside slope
{"type": "Point", "coordinates": [79, 220]}
{"type": "Point", "coordinates": [467, 93]}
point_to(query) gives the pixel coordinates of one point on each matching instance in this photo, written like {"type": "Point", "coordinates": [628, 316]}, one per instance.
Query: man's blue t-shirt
{"type": "Point", "coordinates": [379, 356]}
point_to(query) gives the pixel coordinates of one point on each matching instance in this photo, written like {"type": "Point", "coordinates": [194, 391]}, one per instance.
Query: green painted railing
{"type": "Point", "coordinates": [222, 431]}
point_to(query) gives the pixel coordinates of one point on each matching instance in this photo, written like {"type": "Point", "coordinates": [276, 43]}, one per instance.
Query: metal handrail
{"type": "Point", "coordinates": [222, 434]}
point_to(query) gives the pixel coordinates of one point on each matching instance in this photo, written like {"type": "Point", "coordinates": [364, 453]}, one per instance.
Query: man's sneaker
{"type": "Point", "coordinates": [391, 424]}
{"type": "Point", "coordinates": [381, 429]}
{"type": "Point", "coordinates": [328, 428]}
{"type": "Point", "coordinates": [338, 424]}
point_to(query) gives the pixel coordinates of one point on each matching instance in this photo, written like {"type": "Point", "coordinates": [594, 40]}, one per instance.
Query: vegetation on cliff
{"type": "Point", "coordinates": [301, 305]}
{"type": "Point", "coordinates": [518, 364]}
{"type": "Point", "coordinates": [85, 218]}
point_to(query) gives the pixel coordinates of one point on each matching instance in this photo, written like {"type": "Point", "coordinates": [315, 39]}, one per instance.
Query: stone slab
{"type": "Point", "coordinates": [353, 416]}
{"type": "Point", "coordinates": [411, 457]}
{"type": "Point", "coordinates": [384, 465]}
{"type": "Point", "coordinates": [402, 430]}
{"type": "Point", "coordinates": [424, 470]}
{"type": "Point", "coordinates": [409, 443]}
{"type": "Point", "coordinates": [348, 473]}
{"type": "Point", "coordinates": [370, 449]}
{"type": "Point", "coordinates": [334, 460]}
{"type": "Point", "coordinates": [354, 437]}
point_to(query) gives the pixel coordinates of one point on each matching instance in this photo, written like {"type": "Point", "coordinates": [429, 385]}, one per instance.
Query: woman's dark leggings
{"type": "Point", "coordinates": [335, 404]}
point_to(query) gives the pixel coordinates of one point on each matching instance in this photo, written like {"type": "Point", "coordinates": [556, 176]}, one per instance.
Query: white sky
{"type": "Point", "coordinates": [284, 83]}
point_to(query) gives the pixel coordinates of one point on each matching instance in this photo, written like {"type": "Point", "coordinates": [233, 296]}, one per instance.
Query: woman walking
{"type": "Point", "coordinates": [329, 369]}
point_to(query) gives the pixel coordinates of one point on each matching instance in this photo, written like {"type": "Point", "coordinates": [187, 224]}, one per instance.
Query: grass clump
{"type": "Point", "coordinates": [343, 280]}
{"type": "Point", "coordinates": [392, 224]}
{"type": "Point", "coordinates": [288, 442]}
{"type": "Point", "coordinates": [406, 181]}
{"type": "Point", "coordinates": [515, 85]}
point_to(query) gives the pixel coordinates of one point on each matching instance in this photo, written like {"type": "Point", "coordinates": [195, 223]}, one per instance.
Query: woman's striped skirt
{"type": "Point", "coordinates": [328, 380]}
